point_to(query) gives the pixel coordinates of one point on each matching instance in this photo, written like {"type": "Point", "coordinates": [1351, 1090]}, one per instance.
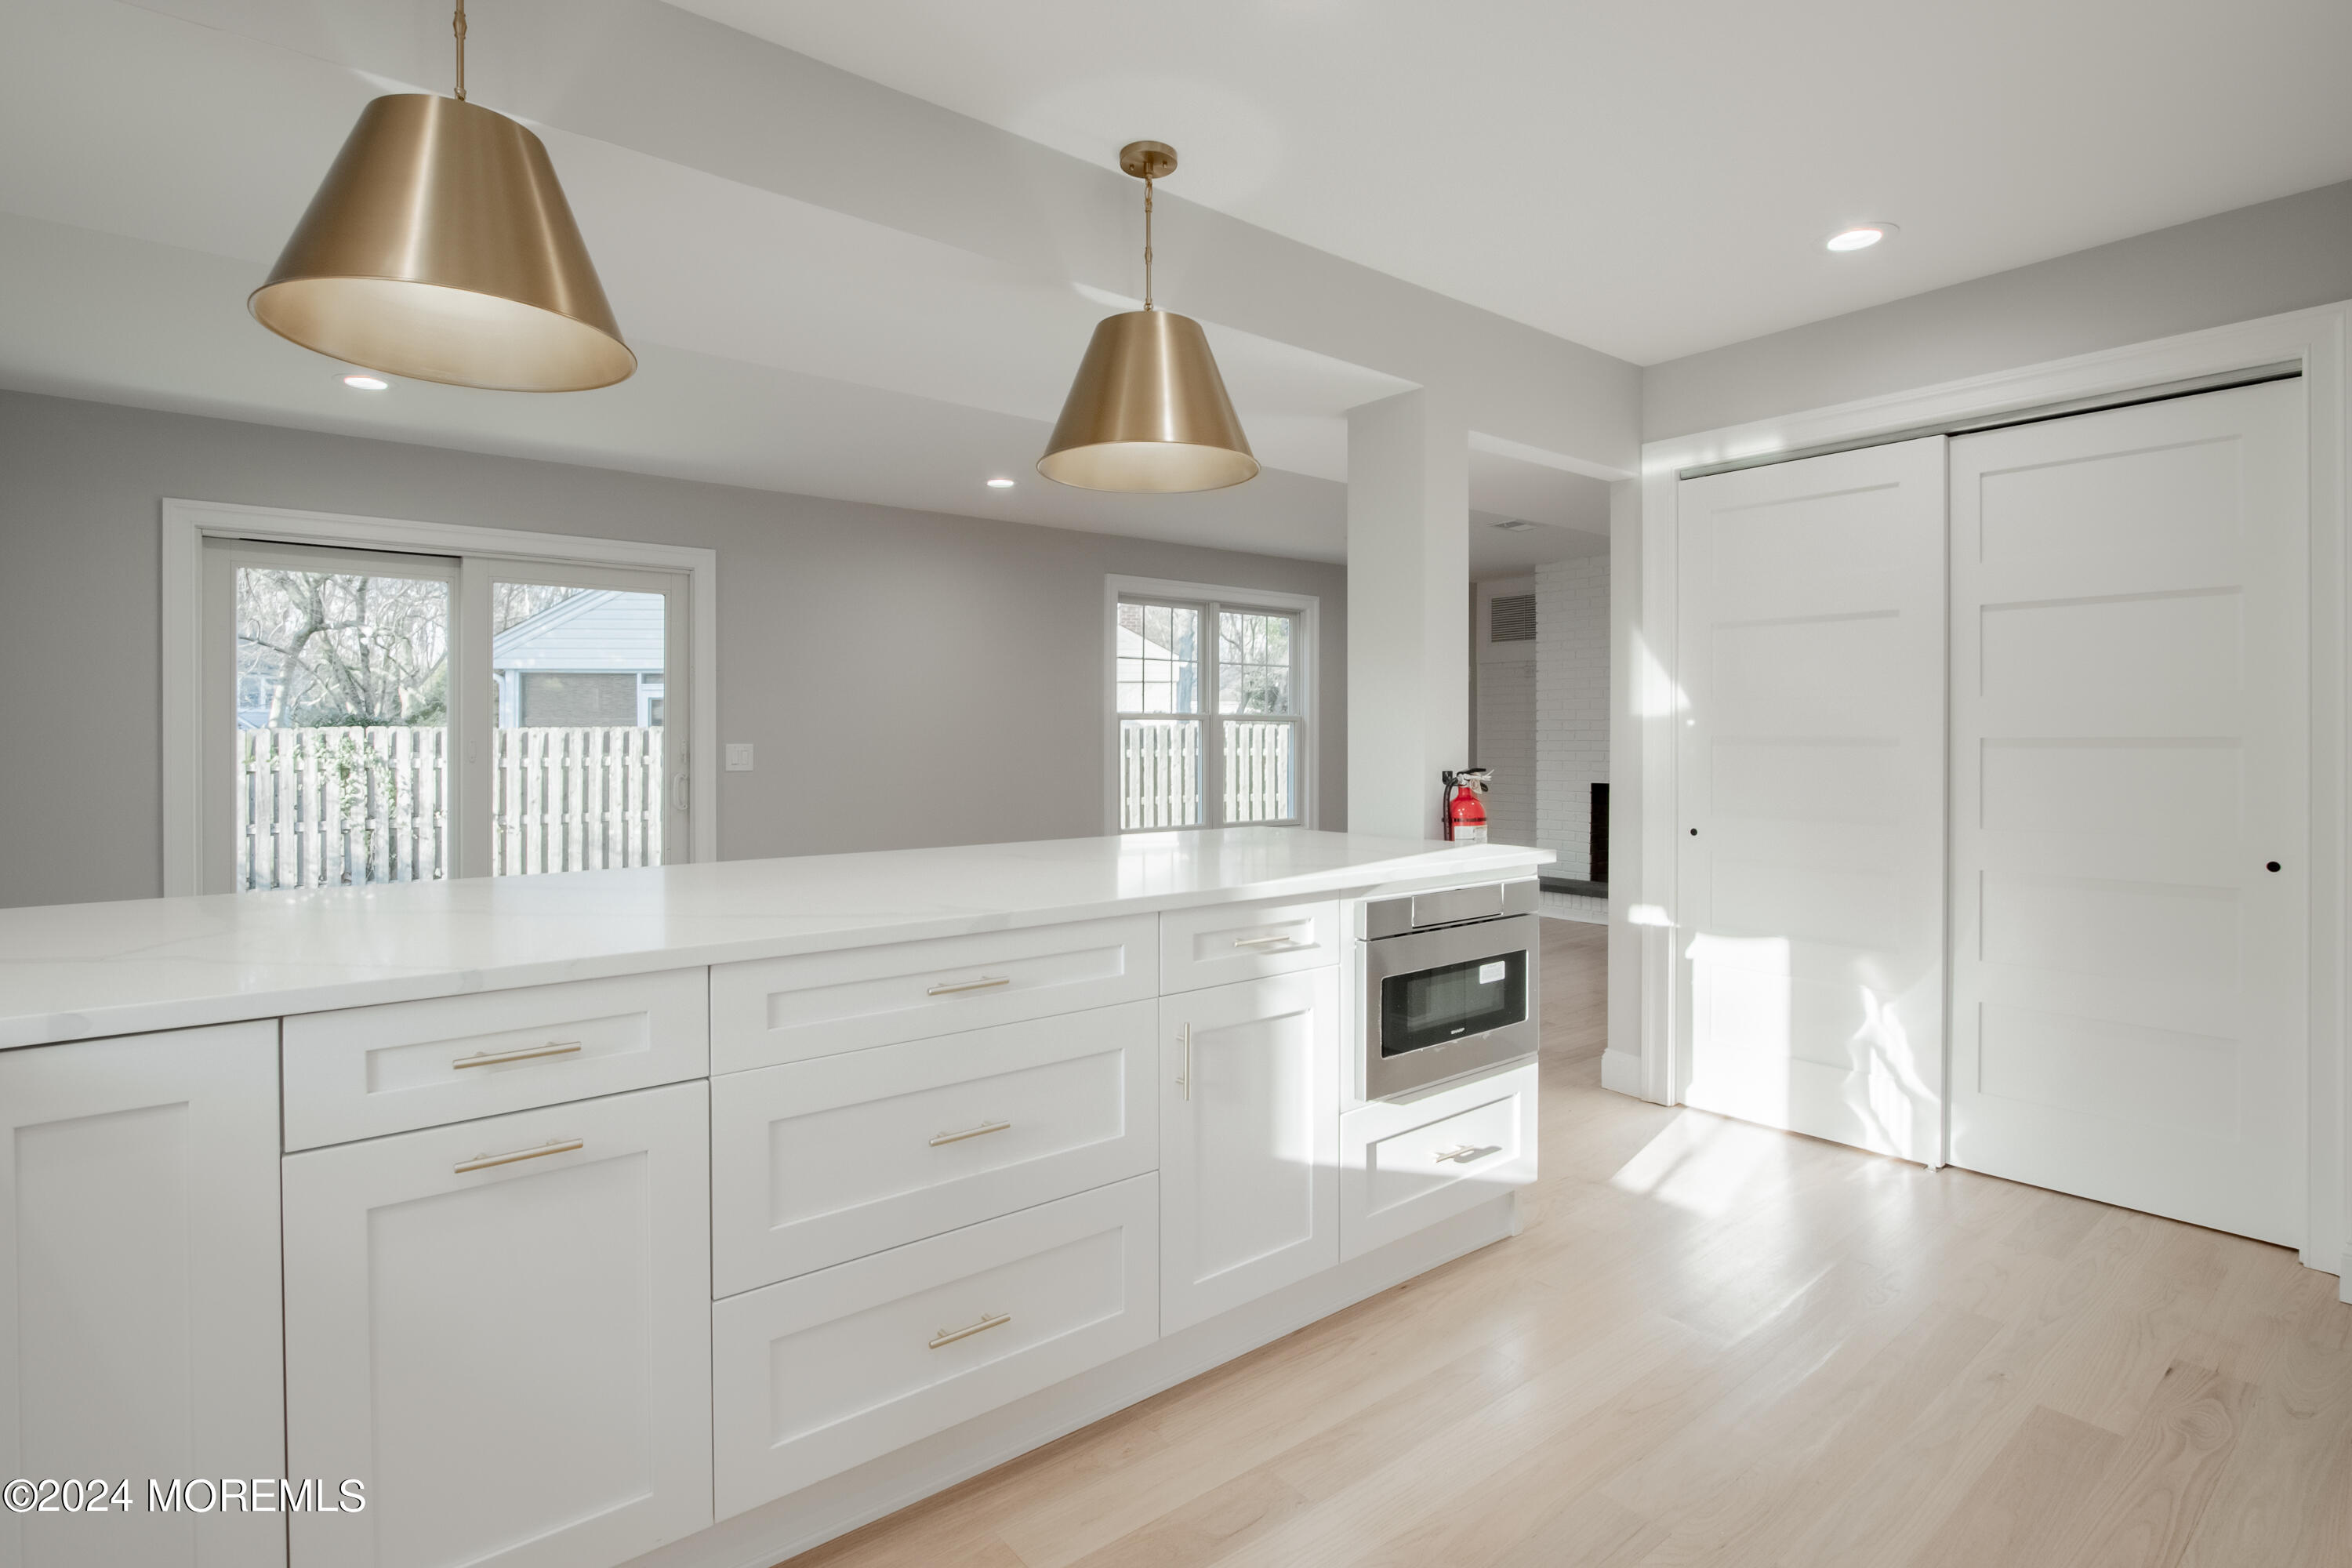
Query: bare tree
{"type": "Point", "coordinates": [346, 648]}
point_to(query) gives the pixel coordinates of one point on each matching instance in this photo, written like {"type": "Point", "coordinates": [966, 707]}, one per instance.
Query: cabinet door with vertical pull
{"type": "Point", "coordinates": [503, 1328]}
{"type": "Point", "coordinates": [1249, 1121]}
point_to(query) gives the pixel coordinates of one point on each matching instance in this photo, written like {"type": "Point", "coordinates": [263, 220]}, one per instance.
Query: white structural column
{"type": "Point", "coordinates": [1408, 611]}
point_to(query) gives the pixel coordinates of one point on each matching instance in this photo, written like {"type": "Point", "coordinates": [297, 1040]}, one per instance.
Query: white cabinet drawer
{"type": "Point", "coordinates": [1226, 942]}
{"type": "Point", "coordinates": [828, 1371]}
{"type": "Point", "coordinates": [1406, 1166]}
{"type": "Point", "coordinates": [818, 1161]}
{"type": "Point", "coordinates": [366, 1071]}
{"type": "Point", "coordinates": [813, 1005]}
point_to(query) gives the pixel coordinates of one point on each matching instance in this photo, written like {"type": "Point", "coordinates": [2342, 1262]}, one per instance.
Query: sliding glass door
{"type": "Point", "coordinates": [377, 717]}
{"type": "Point", "coordinates": [327, 740]}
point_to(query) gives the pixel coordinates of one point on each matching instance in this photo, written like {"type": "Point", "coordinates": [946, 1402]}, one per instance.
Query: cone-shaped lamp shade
{"type": "Point", "coordinates": [1149, 412]}
{"type": "Point", "coordinates": [440, 247]}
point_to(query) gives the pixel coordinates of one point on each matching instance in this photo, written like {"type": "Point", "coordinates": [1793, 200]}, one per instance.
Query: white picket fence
{"type": "Point", "coordinates": [1159, 772]}
{"type": "Point", "coordinates": [337, 807]}
{"type": "Point", "coordinates": [576, 800]}
{"type": "Point", "coordinates": [1261, 771]}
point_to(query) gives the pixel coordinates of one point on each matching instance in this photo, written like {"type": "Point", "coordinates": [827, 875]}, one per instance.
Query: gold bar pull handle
{"type": "Point", "coordinates": [948, 1336]}
{"type": "Point", "coordinates": [1467, 1153]}
{"type": "Point", "coordinates": [552, 1146]}
{"type": "Point", "coordinates": [982, 1130]}
{"type": "Point", "coordinates": [1280, 940]}
{"type": "Point", "coordinates": [985, 982]}
{"type": "Point", "coordinates": [527, 1054]}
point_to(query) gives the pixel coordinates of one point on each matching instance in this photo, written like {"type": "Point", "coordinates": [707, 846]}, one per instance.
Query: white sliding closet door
{"type": "Point", "coordinates": [2129, 737]}
{"type": "Point", "coordinates": [1810, 775]}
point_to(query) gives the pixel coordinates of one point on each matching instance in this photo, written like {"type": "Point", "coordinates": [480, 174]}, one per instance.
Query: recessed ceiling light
{"type": "Point", "coordinates": [1000, 484]}
{"type": "Point", "coordinates": [1861, 236]}
{"type": "Point", "coordinates": [367, 383]}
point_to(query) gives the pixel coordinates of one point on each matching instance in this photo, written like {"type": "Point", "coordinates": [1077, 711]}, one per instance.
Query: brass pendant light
{"type": "Point", "coordinates": [440, 247]}
{"type": "Point", "coordinates": [1147, 411]}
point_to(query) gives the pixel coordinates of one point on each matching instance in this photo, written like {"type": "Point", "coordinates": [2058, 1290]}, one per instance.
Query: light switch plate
{"type": "Point", "coordinates": [738, 756]}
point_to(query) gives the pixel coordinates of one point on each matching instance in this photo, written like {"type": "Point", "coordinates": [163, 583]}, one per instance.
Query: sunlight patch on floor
{"type": "Point", "coordinates": [1704, 1164]}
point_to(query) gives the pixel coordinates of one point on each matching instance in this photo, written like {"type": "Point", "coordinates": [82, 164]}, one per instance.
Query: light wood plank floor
{"type": "Point", "coordinates": [1715, 1344]}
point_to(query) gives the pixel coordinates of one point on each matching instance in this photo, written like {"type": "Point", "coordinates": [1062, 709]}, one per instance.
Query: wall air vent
{"type": "Point", "coordinates": [1512, 619]}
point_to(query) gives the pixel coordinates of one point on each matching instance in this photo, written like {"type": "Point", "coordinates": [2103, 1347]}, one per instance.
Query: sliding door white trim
{"type": "Point", "coordinates": [2316, 341]}
{"type": "Point", "coordinates": [187, 524]}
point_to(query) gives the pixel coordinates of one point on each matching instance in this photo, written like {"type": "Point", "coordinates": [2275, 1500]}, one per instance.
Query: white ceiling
{"type": "Point", "coordinates": [150, 165]}
{"type": "Point", "coordinates": [1649, 180]}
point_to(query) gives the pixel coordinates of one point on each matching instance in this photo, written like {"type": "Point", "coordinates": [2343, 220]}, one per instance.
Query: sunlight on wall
{"type": "Point", "coordinates": [1655, 694]}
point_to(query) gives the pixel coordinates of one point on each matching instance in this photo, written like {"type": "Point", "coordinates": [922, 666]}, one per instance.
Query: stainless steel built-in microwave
{"type": "Point", "coordinates": [1449, 985]}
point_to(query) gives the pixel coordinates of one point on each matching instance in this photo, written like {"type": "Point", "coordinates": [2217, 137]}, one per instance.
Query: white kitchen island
{"type": "Point", "coordinates": [701, 1212]}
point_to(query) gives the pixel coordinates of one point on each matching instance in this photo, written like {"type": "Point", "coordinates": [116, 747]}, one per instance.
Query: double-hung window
{"type": "Point", "coordinates": [1212, 710]}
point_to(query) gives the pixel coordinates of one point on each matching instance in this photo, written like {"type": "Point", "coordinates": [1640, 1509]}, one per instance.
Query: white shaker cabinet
{"type": "Point", "coordinates": [1249, 1115]}
{"type": "Point", "coordinates": [504, 1327]}
{"type": "Point", "coordinates": [138, 1290]}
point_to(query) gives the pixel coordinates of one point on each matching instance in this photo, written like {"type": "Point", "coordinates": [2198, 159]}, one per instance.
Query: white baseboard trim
{"type": "Point", "coordinates": [1621, 1072]}
{"type": "Point", "coordinates": [776, 1531]}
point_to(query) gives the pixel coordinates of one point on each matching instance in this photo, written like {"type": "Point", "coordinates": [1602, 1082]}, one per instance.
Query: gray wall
{"type": "Point", "coordinates": [2285, 255]}
{"type": "Point", "coordinates": [909, 678]}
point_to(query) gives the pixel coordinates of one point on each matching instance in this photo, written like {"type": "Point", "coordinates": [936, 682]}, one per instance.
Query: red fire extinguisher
{"type": "Point", "coordinates": [1465, 818]}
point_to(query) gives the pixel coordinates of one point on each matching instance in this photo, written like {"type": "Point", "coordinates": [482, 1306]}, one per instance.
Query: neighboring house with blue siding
{"type": "Point", "coordinates": [596, 657]}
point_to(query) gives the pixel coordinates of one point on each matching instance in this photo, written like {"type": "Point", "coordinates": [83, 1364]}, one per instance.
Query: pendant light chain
{"type": "Point", "coordinates": [1147, 242]}
{"type": "Point", "coordinates": [457, 27]}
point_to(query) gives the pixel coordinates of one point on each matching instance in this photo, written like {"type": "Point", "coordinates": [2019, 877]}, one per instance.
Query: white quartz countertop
{"type": "Point", "coordinates": [74, 971]}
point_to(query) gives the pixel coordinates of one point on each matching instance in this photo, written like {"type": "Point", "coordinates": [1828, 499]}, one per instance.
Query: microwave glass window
{"type": "Point", "coordinates": [1430, 1006]}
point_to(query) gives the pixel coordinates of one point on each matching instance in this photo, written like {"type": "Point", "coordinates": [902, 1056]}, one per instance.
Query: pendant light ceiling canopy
{"type": "Point", "coordinates": [440, 247]}
{"type": "Point", "coordinates": [1147, 411]}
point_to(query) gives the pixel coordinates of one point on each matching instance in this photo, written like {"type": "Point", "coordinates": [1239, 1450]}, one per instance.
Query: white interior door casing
{"type": "Point", "coordinates": [1249, 1124]}
{"type": "Point", "coordinates": [2130, 694]}
{"type": "Point", "coordinates": [1810, 728]}
{"type": "Point", "coordinates": [138, 1291]}
{"type": "Point", "coordinates": [515, 1357]}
